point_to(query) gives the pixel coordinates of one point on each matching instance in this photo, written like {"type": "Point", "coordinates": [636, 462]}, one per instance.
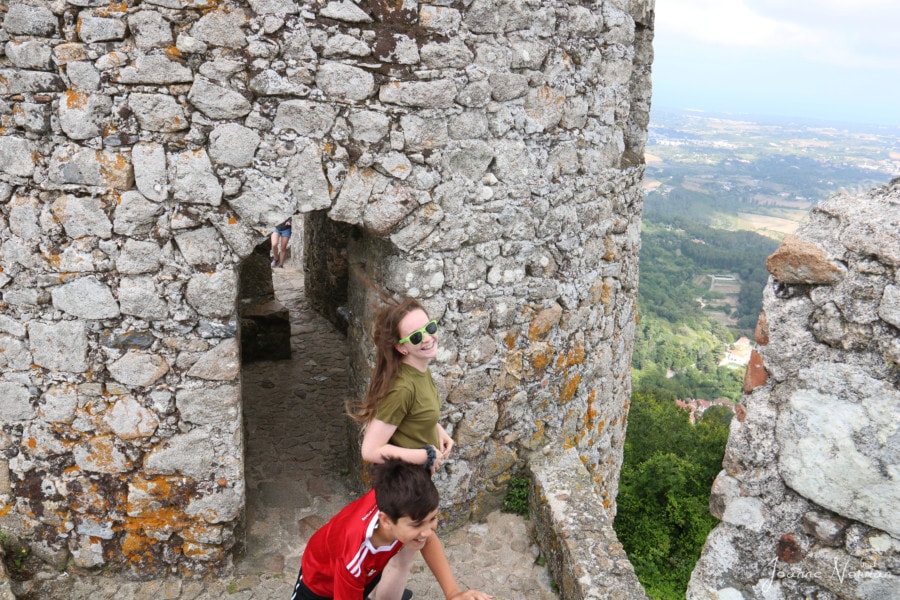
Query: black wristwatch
{"type": "Point", "coordinates": [432, 456]}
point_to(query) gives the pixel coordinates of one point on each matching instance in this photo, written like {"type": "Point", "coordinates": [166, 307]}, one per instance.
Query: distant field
{"type": "Point", "coordinates": [764, 223]}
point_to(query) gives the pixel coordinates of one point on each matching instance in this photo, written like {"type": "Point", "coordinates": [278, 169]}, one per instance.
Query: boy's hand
{"type": "Point", "coordinates": [471, 595]}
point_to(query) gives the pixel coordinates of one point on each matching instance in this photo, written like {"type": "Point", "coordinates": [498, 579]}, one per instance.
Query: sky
{"type": "Point", "coordinates": [836, 60]}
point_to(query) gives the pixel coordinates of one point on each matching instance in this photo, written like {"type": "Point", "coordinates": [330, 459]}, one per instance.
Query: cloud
{"type": "Point", "coordinates": [843, 33]}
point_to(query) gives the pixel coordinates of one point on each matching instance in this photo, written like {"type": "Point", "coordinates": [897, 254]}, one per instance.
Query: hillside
{"type": "Point", "coordinates": [738, 172]}
{"type": "Point", "coordinates": [720, 192]}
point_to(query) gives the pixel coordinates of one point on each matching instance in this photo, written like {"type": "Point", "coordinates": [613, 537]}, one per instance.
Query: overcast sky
{"type": "Point", "coordinates": [830, 59]}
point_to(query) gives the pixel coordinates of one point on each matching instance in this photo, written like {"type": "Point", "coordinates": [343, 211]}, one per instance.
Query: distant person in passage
{"type": "Point", "coordinates": [345, 558]}
{"type": "Point", "coordinates": [280, 238]}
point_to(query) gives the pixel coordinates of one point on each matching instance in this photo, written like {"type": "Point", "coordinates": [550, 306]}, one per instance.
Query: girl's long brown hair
{"type": "Point", "coordinates": [387, 359]}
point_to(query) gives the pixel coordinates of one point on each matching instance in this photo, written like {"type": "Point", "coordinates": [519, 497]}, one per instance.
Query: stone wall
{"type": "Point", "coordinates": [484, 157]}
{"type": "Point", "coordinates": [810, 490]}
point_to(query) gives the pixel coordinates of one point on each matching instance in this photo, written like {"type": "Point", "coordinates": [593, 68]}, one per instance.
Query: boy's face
{"type": "Point", "coordinates": [411, 533]}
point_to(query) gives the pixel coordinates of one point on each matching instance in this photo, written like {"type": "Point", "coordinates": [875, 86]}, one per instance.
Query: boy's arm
{"type": "Point", "coordinates": [433, 553]}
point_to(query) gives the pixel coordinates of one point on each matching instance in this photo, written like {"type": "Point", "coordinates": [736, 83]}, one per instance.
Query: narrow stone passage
{"type": "Point", "coordinates": [295, 431]}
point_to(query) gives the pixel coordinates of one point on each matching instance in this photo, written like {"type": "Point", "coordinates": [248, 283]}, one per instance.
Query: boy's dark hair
{"type": "Point", "coordinates": [404, 490]}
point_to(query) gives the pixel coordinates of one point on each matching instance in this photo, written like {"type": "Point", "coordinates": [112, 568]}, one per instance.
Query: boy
{"type": "Point", "coordinates": [344, 559]}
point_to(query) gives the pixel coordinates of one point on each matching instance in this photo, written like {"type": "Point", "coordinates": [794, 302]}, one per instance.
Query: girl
{"type": "Point", "coordinates": [401, 409]}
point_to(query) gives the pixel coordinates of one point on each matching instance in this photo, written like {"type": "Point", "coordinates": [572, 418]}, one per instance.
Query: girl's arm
{"type": "Point", "coordinates": [436, 559]}
{"type": "Point", "coordinates": [375, 446]}
{"type": "Point", "coordinates": [446, 442]}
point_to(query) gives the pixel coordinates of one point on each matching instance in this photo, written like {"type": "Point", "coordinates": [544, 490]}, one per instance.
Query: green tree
{"type": "Point", "coordinates": [663, 504]}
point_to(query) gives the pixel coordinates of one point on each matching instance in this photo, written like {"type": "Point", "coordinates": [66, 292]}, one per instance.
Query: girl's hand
{"type": "Point", "coordinates": [445, 443]}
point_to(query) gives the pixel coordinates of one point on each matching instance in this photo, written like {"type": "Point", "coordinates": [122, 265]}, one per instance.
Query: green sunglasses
{"type": "Point", "coordinates": [416, 337]}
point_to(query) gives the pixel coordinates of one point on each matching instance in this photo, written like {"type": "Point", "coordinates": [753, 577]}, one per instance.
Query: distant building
{"type": "Point", "coordinates": [696, 407]}
{"type": "Point", "coordinates": [738, 353]}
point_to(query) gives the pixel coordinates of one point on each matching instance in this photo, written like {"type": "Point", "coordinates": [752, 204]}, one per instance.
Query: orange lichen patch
{"type": "Point", "coordinates": [173, 53]}
{"type": "Point", "coordinates": [200, 532]}
{"type": "Point", "coordinates": [543, 322]}
{"type": "Point", "coordinates": [112, 167]}
{"type": "Point", "coordinates": [31, 443]}
{"type": "Point", "coordinates": [567, 392]}
{"type": "Point", "coordinates": [540, 359]}
{"type": "Point", "coordinates": [161, 519]}
{"type": "Point", "coordinates": [539, 431]}
{"type": "Point", "coordinates": [546, 93]}
{"type": "Point", "coordinates": [202, 551]}
{"type": "Point", "coordinates": [573, 357]}
{"type": "Point", "coordinates": [55, 260]}
{"type": "Point", "coordinates": [232, 220]}
{"type": "Point", "coordinates": [76, 99]}
{"type": "Point", "coordinates": [134, 545]}
{"type": "Point", "coordinates": [600, 426]}
{"type": "Point", "coordinates": [590, 413]}
{"type": "Point", "coordinates": [510, 338]}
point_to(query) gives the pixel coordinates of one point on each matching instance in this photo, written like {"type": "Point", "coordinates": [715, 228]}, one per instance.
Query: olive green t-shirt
{"type": "Point", "coordinates": [413, 406]}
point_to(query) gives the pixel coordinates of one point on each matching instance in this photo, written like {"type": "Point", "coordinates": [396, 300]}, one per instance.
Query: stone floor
{"type": "Point", "coordinates": [296, 467]}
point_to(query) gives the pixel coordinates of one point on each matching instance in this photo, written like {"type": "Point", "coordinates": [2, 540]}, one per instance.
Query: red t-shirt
{"type": "Point", "coordinates": [340, 560]}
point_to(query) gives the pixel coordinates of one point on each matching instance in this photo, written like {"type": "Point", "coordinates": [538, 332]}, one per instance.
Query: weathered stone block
{"type": "Point", "coordinates": [150, 173]}
{"type": "Point", "coordinates": [128, 419]}
{"type": "Point", "coordinates": [217, 101]}
{"type": "Point", "coordinates": [221, 363]}
{"type": "Point", "coordinates": [158, 112]}
{"type": "Point", "coordinates": [307, 180]}
{"type": "Point", "coordinates": [212, 294]}
{"type": "Point", "coordinates": [61, 346]}
{"type": "Point", "coordinates": [22, 19]}
{"type": "Point", "coordinates": [313, 119]}
{"type": "Point", "coordinates": [221, 28]}
{"type": "Point", "coordinates": [345, 10]}
{"type": "Point", "coordinates": [138, 257]}
{"type": "Point", "coordinates": [200, 246]}
{"type": "Point", "coordinates": [135, 215]}
{"type": "Point", "coordinates": [345, 83]}
{"type": "Point", "coordinates": [15, 402]}
{"type": "Point", "coordinates": [232, 144]}
{"type": "Point", "coordinates": [81, 216]}
{"type": "Point", "coordinates": [92, 28]}
{"type": "Point", "coordinates": [799, 262]}
{"type": "Point", "coordinates": [102, 454]}
{"type": "Point", "coordinates": [138, 296]}
{"type": "Point", "coordinates": [439, 93]}
{"type": "Point", "coordinates": [192, 178]}
{"type": "Point", "coordinates": [86, 298]}
{"type": "Point", "coordinates": [73, 165]}
{"type": "Point", "coordinates": [191, 454]}
{"type": "Point", "coordinates": [29, 54]}
{"type": "Point", "coordinates": [150, 29]}
{"type": "Point", "coordinates": [18, 156]}
{"type": "Point", "coordinates": [139, 369]}
{"type": "Point", "coordinates": [154, 69]}
{"type": "Point", "coordinates": [848, 418]}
